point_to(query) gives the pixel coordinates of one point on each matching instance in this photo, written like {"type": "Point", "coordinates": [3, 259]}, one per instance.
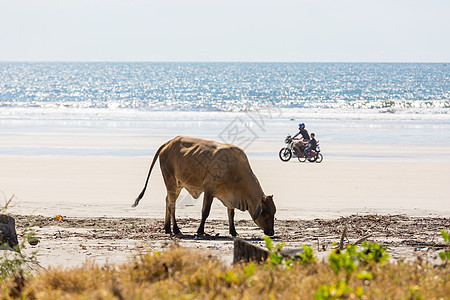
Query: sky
{"type": "Point", "coordinates": [225, 30]}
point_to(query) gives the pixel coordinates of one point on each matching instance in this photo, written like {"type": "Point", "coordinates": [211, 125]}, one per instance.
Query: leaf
{"type": "Point", "coordinates": [445, 235]}
{"type": "Point", "coordinates": [335, 262]}
{"type": "Point", "coordinates": [230, 276]}
{"type": "Point", "coordinates": [279, 246]}
{"type": "Point", "coordinates": [268, 241]}
{"type": "Point", "coordinates": [250, 269]}
{"type": "Point", "coordinates": [307, 256]}
{"type": "Point", "coordinates": [365, 275]}
{"type": "Point", "coordinates": [359, 292]}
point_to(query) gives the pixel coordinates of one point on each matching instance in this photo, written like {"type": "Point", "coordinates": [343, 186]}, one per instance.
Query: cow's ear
{"type": "Point", "coordinates": [257, 211]}
{"type": "Point", "coordinates": [268, 197]}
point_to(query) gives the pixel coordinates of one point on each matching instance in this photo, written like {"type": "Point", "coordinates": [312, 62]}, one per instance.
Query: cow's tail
{"type": "Point", "coordinates": [136, 202]}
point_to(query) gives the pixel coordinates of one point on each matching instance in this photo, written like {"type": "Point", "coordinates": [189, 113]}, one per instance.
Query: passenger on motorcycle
{"type": "Point", "coordinates": [312, 145]}
{"type": "Point", "coordinates": [305, 137]}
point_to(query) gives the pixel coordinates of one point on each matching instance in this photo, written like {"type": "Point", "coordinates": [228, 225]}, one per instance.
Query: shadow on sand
{"type": "Point", "coordinates": [217, 237]}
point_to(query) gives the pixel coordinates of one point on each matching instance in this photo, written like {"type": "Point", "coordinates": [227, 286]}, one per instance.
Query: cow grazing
{"type": "Point", "coordinates": [219, 171]}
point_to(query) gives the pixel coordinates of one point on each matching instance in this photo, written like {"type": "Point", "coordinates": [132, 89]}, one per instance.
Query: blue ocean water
{"type": "Point", "coordinates": [227, 86]}
{"type": "Point", "coordinates": [365, 103]}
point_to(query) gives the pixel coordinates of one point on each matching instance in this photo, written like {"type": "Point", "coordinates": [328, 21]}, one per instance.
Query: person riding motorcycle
{"type": "Point", "coordinates": [305, 137]}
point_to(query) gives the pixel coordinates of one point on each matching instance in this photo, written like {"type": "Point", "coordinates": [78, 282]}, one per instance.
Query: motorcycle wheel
{"type": "Point", "coordinates": [319, 158]}
{"type": "Point", "coordinates": [301, 159]}
{"type": "Point", "coordinates": [285, 154]}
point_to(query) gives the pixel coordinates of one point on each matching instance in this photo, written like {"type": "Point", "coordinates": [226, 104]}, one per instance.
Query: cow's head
{"type": "Point", "coordinates": [264, 214]}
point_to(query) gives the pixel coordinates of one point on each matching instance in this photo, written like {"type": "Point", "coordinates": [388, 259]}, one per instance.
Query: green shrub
{"type": "Point", "coordinates": [275, 257]}
{"type": "Point", "coordinates": [445, 255]}
{"type": "Point", "coordinates": [349, 261]}
{"type": "Point", "coordinates": [307, 257]}
{"type": "Point", "coordinates": [373, 253]}
{"type": "Point", "coordinates": [336, 290]}
{"type": "Point", "coordinates": [16, 262]}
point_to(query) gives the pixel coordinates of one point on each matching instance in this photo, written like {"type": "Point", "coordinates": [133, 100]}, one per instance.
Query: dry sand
{"type": "Point", "coordinates": [405, 205]}
{"type": "Point", "coordinates": [107, 186]}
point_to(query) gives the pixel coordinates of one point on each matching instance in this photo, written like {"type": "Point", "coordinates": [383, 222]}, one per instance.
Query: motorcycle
{"type": "Point", "coordinates": [287, 152]}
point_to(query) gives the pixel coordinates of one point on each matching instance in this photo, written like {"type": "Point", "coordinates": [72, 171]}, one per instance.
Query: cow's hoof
{"type": "Point", "coordinates": [233, 234]}
{"type": "Point", "coordinates": [176, 230]}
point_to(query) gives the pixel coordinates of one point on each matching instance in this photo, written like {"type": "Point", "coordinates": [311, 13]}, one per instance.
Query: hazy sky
{"type": "Point", "coordinates": [225, 30]}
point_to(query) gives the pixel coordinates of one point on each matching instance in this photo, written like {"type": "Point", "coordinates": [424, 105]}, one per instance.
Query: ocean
{"type": "Point", "coordinates": [343, 103]}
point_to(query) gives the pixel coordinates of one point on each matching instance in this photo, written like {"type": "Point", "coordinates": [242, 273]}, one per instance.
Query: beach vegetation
{"type": "Point", "coordinates": [14, 262]}
{"type": "Point", "coordinates": [275, 257]}
{"type": "Point", "coordinates": [184, 273]}
{"type": "Point", "coordinates": [353, 263]}
{"type": "Point", "coordinates": [445, 255]}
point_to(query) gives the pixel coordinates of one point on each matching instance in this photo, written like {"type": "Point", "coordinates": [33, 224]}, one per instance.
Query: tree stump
{"type": "Point", "coordinates": [8, 233]}
{"type": "Point", "coordinates": [247, 252]}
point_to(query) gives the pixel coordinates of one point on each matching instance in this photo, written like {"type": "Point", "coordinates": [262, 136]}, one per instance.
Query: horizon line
{"type": "Point", "coordinates": [236, 62]}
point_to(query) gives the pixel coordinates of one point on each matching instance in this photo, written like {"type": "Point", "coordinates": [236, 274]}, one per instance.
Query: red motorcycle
{"type": "Point", "coordinates": [314, 155]}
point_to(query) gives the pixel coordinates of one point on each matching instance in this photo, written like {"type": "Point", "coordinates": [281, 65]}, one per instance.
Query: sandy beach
{"type": "Point", "coordinates": [94, 196]}
{"type": "Point", "coordinates": [107, 186]}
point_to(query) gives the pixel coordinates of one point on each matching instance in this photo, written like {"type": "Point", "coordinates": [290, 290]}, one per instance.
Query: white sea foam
{"type": "Point", "coordinates": [357, 110]}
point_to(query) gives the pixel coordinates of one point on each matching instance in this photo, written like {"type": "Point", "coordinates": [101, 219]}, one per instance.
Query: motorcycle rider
{"type": "Point", "coordinates": [305, 137]}
{"type": "Point", "coordinates": [312, 146]}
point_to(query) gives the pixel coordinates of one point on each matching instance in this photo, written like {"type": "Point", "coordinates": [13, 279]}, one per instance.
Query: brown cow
{"type": "Point", "coordinates": [219, 170]}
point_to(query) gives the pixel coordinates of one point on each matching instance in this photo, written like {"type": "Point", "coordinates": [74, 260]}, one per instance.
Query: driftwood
{"type": "Point", "coordinates": [248, 252]}
{"type": "Point", "coordinates": [362, 240]}
{"type": "Point", "coordinates": [291, 253]}
{"type": "Point", "coordinates": [343, 236]}
{"type": "Point", "coordinates": [8, 233]}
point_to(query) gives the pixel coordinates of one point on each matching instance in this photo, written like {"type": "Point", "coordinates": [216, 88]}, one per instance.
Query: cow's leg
{"type": "Point", "coordinates": [171, 200]}
{"type": "Point", "coordinates": [231, 222]}
{"type": "Point", "coordinates": [207, 201]}
{"type": "Point", "coordinates": [173, 190]}
{"type": "Point", "coordinates": [167, 218]}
